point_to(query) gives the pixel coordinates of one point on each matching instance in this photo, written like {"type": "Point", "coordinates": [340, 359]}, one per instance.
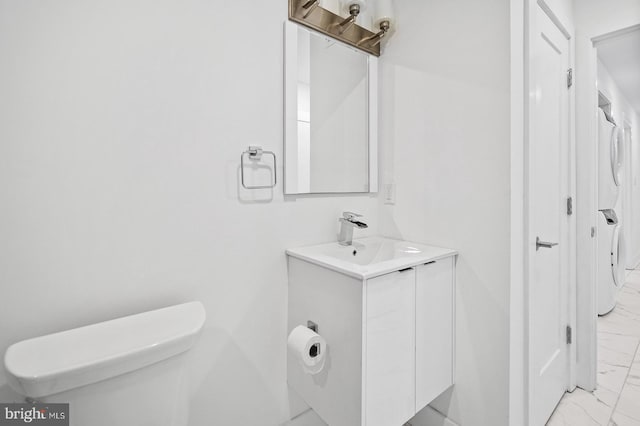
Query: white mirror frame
{"type": "Point", "coordinates": [291, 110]}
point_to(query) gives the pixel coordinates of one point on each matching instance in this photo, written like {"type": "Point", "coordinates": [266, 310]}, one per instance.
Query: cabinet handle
{"type": "Point", "coordinates": [405, 269]}
{"type": "Point", "coordinates": [430, 262]}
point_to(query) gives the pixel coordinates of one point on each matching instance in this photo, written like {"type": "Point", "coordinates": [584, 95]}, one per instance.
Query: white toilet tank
{"type": "Point", "coordinates": [124, 372]}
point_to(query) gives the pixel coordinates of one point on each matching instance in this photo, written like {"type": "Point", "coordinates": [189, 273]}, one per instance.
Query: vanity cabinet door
{"type": "Point", "coordinates": [390, 349]}
{"type": "Point", "coordinates": [434, 330]}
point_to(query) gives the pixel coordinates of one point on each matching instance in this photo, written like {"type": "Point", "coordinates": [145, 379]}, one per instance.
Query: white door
{"type": "Point", "coordinates": [548, 220]}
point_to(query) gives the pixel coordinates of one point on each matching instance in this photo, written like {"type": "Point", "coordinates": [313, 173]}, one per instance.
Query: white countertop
{"type": "Point", "coordinates": [370, 257]}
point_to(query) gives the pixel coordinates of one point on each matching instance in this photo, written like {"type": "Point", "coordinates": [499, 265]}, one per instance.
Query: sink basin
{"type": "Point", "coordinates": [370, 257]}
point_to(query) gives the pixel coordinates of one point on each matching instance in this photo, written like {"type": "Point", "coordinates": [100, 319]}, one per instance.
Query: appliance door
{"type": "Point", "coordinates": [618, 260]}
{"type": "Point", "coordinates": [608, 157]}
{"type": "Point", "coordinates": [617, 154]}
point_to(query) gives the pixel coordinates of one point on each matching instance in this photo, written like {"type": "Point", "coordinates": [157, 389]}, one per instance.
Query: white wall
{"type": "Point", "coordinates": [597, 17]}
{"type": "Point", "coordinates": [444, 114]}
{"type": "Point", "coordinates": [623, 114]}
{"type": "Point", "coordinates": [121, 127]}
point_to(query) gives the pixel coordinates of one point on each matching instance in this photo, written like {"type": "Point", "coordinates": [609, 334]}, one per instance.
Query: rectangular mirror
{"type": "Point", "coordinates": [330, 115]}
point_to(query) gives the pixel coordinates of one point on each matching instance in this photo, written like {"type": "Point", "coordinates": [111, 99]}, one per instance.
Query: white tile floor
{"type": "Point", "coordinates": [616, 401]}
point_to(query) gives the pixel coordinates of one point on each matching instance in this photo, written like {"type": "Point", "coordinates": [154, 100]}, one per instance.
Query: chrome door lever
{"type": "Point", "coordinates": [544, 244]}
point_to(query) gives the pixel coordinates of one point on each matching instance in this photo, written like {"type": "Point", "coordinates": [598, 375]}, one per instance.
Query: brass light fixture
{"type": "Point", "coordinates": [310, 14]}
{"type": "Point", "coordinates": [375, 39]}
{"type": "Point", "coordinates": [354, 11]}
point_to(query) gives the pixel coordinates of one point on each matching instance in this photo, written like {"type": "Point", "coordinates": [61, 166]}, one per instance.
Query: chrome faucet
{"type": "Point", "coordinates": [348, 221]}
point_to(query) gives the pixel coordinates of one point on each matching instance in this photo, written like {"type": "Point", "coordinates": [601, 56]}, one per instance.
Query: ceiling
{"type": "Point", "coordinates": [621, 56]}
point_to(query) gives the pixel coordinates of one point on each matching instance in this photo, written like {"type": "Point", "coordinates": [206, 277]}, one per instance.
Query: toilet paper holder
{"type": "Point", "coordinates": [314, 350]}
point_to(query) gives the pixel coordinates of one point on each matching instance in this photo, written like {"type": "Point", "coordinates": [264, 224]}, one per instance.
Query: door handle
{"type": "Point", "coordinates": [544, 244]}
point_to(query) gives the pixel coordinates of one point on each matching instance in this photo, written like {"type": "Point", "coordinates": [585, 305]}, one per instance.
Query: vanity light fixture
{"type": "Point", "coordinates": [310, 14]}
{"type": "Point", "coordinates": [310, 6]}
{"type": "Point", "coordinates": [384, 21]}
{"type": "Point", "coordinates": [375, 39]}
{"type": "Point", "coordinates": [354, 11]}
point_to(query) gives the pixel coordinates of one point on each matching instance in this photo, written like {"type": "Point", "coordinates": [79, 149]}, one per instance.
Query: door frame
{"type": "Point", "coordinates": [587, 198]}
{"type": "Point", "coordinates": [522, 32]}
{"type": "Point", "coordinates": [627, 191]}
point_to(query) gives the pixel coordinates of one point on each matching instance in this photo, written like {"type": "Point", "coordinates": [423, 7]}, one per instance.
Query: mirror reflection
{"type": "Point", "coordinates": [327, 140]}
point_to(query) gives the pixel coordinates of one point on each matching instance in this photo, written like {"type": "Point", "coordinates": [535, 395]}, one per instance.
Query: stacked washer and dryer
{"type": "Point", "coordinates": [611, 256]}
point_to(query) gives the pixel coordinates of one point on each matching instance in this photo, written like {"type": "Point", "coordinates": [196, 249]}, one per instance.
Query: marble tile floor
{"type": "Point", "coordinates": [616, 401]}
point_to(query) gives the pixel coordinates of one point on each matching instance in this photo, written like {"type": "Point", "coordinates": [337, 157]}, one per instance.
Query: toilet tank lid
{"type": "Point", "coordinates": [95, 352]}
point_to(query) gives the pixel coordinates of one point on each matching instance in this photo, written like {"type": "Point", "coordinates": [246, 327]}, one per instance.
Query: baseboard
{"type": "Point", "coordinates": [635, 262]}
{"type": "Point", "coordinates": [307, 418]}
{"type": "Point", "coordinates": [430, 417]}
{"type": "Point", "coordinates": [427, 417]}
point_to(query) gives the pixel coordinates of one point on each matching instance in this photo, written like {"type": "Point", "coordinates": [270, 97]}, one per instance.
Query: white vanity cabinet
{"type": "Point", "coordinates": [390, 338]}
